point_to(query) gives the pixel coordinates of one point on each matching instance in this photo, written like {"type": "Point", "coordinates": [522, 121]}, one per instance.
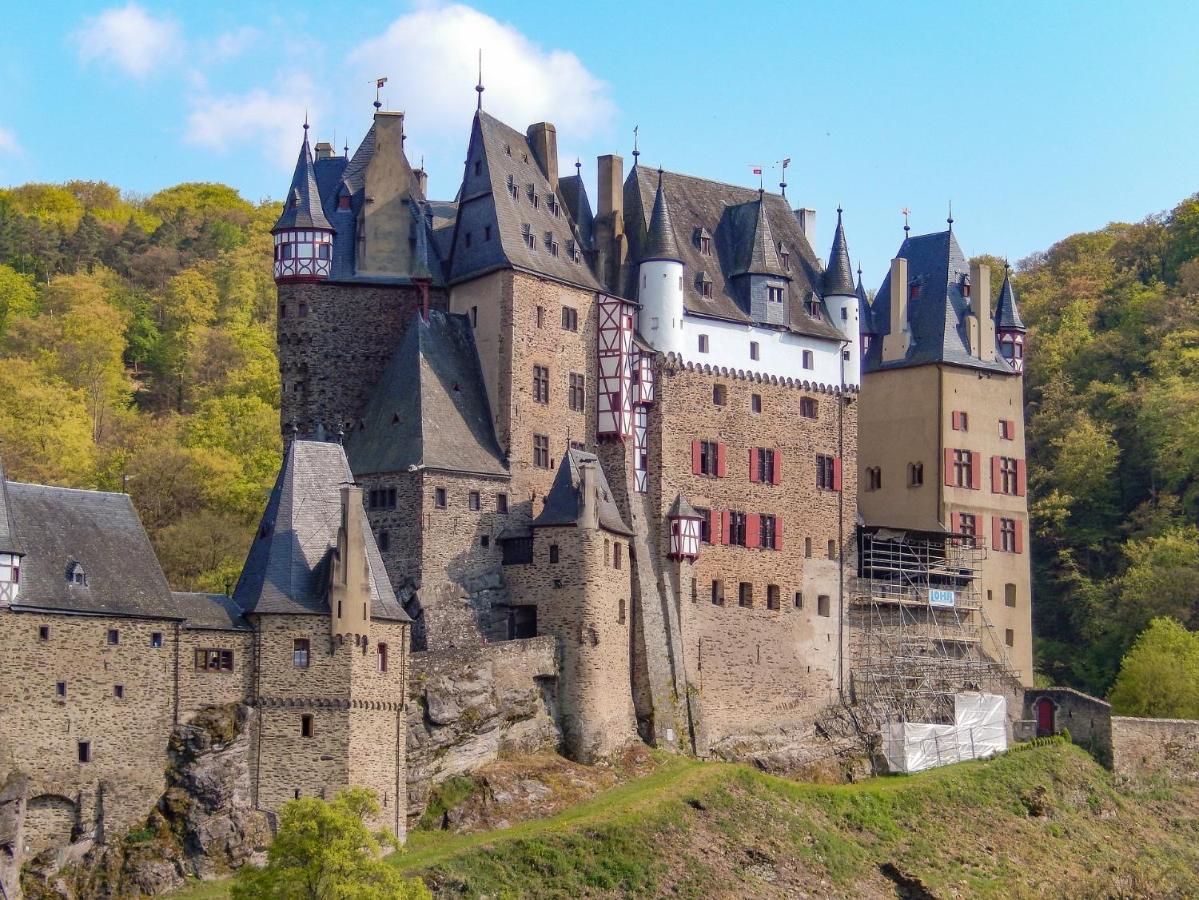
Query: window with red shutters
{"type": "Point", "coordinates": [961, 468]}
{"type": "Point", "coordinates": [826, 473]}
{"type": "Point", "coordinates": [738, 528]}
{"type": "Point", "coordinates": [753, 531]}
{"type": "Point", "coordinates": [721, 471]}
{"type": "Point", "coordinates": [763, 465]}
{"type": "Point", "coordinates": [707, 458]}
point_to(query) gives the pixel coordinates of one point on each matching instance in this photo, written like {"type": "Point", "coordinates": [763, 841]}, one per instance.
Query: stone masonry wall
{"type": "Point", "coordinates": [331, 356]}
{"type": "Point", "coordinates": [199, 688]}
{"type": "Point", "coordinates": [1088, 719]}
{"type": "Point", "coordinates": [1168, 747]}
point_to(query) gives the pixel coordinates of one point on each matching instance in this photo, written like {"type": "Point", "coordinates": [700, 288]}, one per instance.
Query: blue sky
{"type": "Point", "coordinates": [1036, 120]}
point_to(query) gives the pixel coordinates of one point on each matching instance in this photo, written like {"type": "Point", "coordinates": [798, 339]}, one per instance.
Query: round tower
{"type": "Point", "coordinates": [660, 290]}
{"type": "Point", "coordinates": [841, 297]}
{"type": "Point", "coordinates": [303, 235]}
{"type": "Point", "coordinates": [1009, 326]}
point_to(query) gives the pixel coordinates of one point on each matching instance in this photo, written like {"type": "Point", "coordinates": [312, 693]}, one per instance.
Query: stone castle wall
{"type": "Point", "coordinates": [1166, 747]}
{"type": "Point", "coordinates": [199, 688]}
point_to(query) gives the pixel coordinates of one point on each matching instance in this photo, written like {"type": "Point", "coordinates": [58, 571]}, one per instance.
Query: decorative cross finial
{"type": "Point", "coordinates": [479, 86]}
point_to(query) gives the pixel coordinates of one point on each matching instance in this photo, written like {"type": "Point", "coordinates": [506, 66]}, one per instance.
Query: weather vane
{"type": "Point", "coordinates": [379, 82]}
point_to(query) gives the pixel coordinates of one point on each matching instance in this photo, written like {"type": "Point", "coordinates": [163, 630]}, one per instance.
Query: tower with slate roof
{"type": "Point", "coordinates": [841, 295]}
{"type": "Point", "coordinates": [1009, 326]}
{"type": "Point", "coordinates": [660, 319]}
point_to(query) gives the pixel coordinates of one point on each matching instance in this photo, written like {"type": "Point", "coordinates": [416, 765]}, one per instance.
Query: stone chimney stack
{"type": "Point", "coordinates": [980, 306]}
{"type": "Point", "coordinates": [588, 503]}
{"type": "Point", "coordinates": [350, 590]}
{"type": "Point", "coordinates": [611, 247]}
{"type": "Point", "coordinates": [543, 138]}
{"type": "Point", "coordinates": [323, 150]}
{"type": "Point", "coordinates": [807, 223]}
{"type": "Point", "coordinates": [895, 343]}
{"type": "Point", "coordinates": [422, 183]}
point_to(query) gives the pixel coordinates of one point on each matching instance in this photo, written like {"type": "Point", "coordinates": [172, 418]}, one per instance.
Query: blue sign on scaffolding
{"type": "Point", "coordinates": [940, 598]}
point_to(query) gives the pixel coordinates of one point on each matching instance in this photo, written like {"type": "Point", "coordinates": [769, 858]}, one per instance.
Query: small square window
{"type": "Point", "coordinates": [474, 501]}
{"type": "Point", "coordinates": [114, 636]}
{"type": "Point", "coordinates": [719, 394]}
{"type": "Point", "coordinates": [85, 751]}
{"type": "Point", "coordinates": [60, 689]}
{"type": "Point", "coordinates": [807, 407]}
{"type": "Point", "coordinates": [501, 503]}
{"type": "Point", "coordinates": [755, 350]}
{"type": "Point", "coordinates": [439, 498]}
{"type": "Point", "coordinates": [306, 729]}
{"type": "Point", "coordinates": [755, 403]}
{"type": "Point", "coordinates": [156, 640]}
{"type": "Point", "coordinates": [823, 605]}
{"type": "Point", "coordinates": [118, 691]}
{"type": "Point", "coordinates": [43, 633]}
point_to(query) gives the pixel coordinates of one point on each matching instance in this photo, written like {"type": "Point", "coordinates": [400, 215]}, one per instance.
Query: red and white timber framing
{"type": "Point", "coordinates": [614, 406]}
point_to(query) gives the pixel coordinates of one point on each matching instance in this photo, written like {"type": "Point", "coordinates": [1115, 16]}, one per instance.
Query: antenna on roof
{"type": "Point", "coordinates": [479, 86]}
{"type": "Point", "coordinates": [636, 152]}
{"type": "Point", "coordinates": [906, 226]}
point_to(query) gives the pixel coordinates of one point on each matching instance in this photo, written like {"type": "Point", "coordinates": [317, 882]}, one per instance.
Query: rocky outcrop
{"type": "Point", "coordinates": [472, 704]}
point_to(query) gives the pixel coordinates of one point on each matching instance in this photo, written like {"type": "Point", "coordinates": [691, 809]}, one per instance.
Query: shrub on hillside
{"type": "Point", "coordinates": [1159, 676]}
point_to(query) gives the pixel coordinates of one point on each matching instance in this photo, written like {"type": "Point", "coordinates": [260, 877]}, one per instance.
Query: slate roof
{"type": "Point", "coordinates": [1007, 313]}
{"type": "Point", "coordinates": [937, 315]}
{"type": "Point", "coordinates": [838, 277]}
{"type": "Point", "coordinates": [429, 408]}
{"type": "Point", "coordinates": [660, 242]}
{"type": "Point", "coordinates": [574, 193]}
{"type": "Point", "coordinates": [302, 206]}
{"type": "Point", "coordinates": [681, 509]}
{"type": "Point", "coordinates": [865, 312]}
{"type": "Point", "coordinates": [738, 220]}
{"type": "Point", "coordinates": [8, 530]}
{"type": "Point", "coordinates": [101, 532]}
{"type": "Point", "coordinates": [329, 172]}
{"type": "Point", "coordinates": [209, 611]}
{"type": "Point", "coordinates": [563, 504]}
{"type": "Point", "coordinates": [487, 202]}
{"type": "Point", "coordinates": [287, 569]}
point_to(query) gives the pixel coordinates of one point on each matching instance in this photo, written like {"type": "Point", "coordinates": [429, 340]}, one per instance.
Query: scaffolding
{"type": "Point", "coordinates": [919, 631]}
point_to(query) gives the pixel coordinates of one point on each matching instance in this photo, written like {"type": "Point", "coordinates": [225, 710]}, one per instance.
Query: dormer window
{"type": "Point", "coordinates": [76, 575]}
{"type": "Point", "coordinates": [551, 203]}
{"type": "Point", "coordinates": [343, 202]}
{"type": "Point", "coordinates": [572, 250]}
{"type": "Point", "coordinates": [508, 152]}
{"type": "Point", "coordinates": [813, 307]}
{"type": "Point", "coordinates": [532, 192]}
{"type": "Point", "coordinates": [512, 186]}
{"type": "Point", "coordinates": [913, 290]}
{"type": "Point", "coordinates": [785, 256]}
{"type": "Point", "coordinates": [774, 294]}
{"type": "Point", "coordinates": [966, 287]}
{"type": "Point", "coordinates": [703, 282]}
{"type": "Point", "coordinates": [527, 234]}
{"type": "Point", "coordinates": [703, 240]}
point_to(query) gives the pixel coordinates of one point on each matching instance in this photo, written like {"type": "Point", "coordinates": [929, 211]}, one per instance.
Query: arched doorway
{"type": "Point", "coordinates": [1046, 714]}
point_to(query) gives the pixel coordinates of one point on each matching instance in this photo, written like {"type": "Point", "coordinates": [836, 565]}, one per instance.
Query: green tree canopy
{"type": "Point", "coordinates": [1159, 676]}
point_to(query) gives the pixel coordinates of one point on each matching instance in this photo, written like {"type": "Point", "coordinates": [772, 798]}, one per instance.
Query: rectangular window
{"type": "Point", "coordinates": [755, 351]}
{"type": "Point", "coordinates": [570, 319]}
{"type": "Point", "coordinates": [118, 691]}
{"type": "Point", "coordinates": [473, 501]}
{"type": "Point", "coordinates": [522, 622]}
{"type": "Point", "coordinates": [968, 524]}
{"type": "Point", "coordinates": [719, 394]}
{"type": "Point", "coordinates": [85, 751]}
{"type": "Point", "coordinates": [709, 458]}
{"type": "Point", "coordinates": [768, 532]}
{"type": "Point", "coordinates": [383, 658]}
{"type": "Point", "coordinates": [809, 360]}
{"type": "Point", "coordinates": [114, 636]}
{"type": "Point", "coordinates": [963, 468]}
{"type": "Point", "coordinates": [1009, 637]}
{"type": "Point", "coordinates": [1007, 429]}
{"type": "Point", "coordinates": [306, 725]}
{"type": "Point", "coordinates": [1007, 535]}
{"type": "Point", "coordinates": [578, 391]}
{"type": "Point", "coordinates": [616, 555]}
{"type": "Point", "coordinates": [501, 504]}
{"type": "Point", "coordinates": [60, 689]}
{"type": "Point", "coordinates": [474, 317]}
{"type": "Point", "coordinates": [874, 478]}
{"type": "Point", "coordinates": [541, 384]}
{"type": "Point", "coordinates": [774, 294]}
{"type": "Point", "coordinates": [755, 403]}
{"type": "Point", "coordinates": [717, 592]}
{"type": "Point", "coordinates": [807, 407]}
{"type": "Point", "coordinates": [439, 498]}
{"type": "Point", "coordinates": [703, 343]}
{"type": "Point", "coordinates": [553, 553]}
{"type": "Point", "coordinates": [745, 594]}
{"type": "Point", "coordinates": [299, 653]}
{"type": "Point", "coordinates": [540, 317]}
{"type": "Point", "coordinates": [959, 420]}
{"type": "Point", "coordinates": [156, 640]}
{"type": "Point", "coordinates": [1008, 480]}
{"type": "Point", "coordinates": [705, 245]}
{"type": "Point", "coordinates": [763, 466]}
{"type": "Point", "coordinates": [832, 549]}
{"type": "Point", "coordinates": [826, 474]}
{"type": "Point", "coordinates": [1009, 594]}
{"type": "Point", "coordinates": [541, 451]}
{"type": "Point", "coordinates": [516, 551]}
{"type": "Point", "coordinates": [705, 524]}
{"type": "Point", "coordinates": [214, 660]}
{"type": "Point", "coordinates": [773, 596]}
{"type": "Point", "coordinates": [915, 474]}
{"type": "Point", "coordinates": [384, 541]}
{"type": "Point", "coordinates": [807, 548]}
{"type": "Point", "coordinates": [823, 605]}
{"type": "Point", "coordinates": [798, 600]}
{"type": "Point", "coordinates": [737, 528]}
{"type": "Point", "coordinates": [43, 632]}
{"type": "Point", "coordinates": [705, 290]}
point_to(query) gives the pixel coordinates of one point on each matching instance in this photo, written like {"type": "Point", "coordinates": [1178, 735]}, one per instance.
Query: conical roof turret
{"type": "Point", "coordinates": [660, 242]}
{"type": "Point", "coordinates": [865, 314]}
{"type": "Point", "coordinates": [302, 205]}
{"type": "Point", "coordinates": [1007, 313]}
{"type": "Point", "coordinates": [838, 277]}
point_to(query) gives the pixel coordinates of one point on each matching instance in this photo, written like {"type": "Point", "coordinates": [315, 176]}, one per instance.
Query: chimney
{"type": "Point", "coordinates": [895, 344]}
{"type": "Point", "coordinates": [611, 186]}
{"type": "Point", "coordinates": [980, 305]}
{"type": "Point", "coordinates": [807, 224]}
{"type": "Point", "coordinates": [389, 132]}
{"type": "Point", "coordinates": [422, 183]}
{"type": "Point", "coordinates": [588, 507]}
{"type": "Point", "coordinates": [543, 138]}
{"type": "Point", "coordinates": [349, 590]}
{"type": "Point", "coordinates": [324, 150]}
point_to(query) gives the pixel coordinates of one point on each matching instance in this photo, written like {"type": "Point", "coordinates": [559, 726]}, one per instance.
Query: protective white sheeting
{"type": "Point", "coordinates": [979, 730]}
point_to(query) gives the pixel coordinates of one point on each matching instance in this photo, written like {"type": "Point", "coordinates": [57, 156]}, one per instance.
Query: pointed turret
{"type": "Point", "coordinates": [761, 257]}
{"type": "Point", "coordinates": [9, 542]}
{"type": "Point", "coordinates": [303, 235]}
{"type": "Point", "coordinates": [660, 242]}
{"type": "Point", "coordinates": [838, 277]}
{"type": "Point", "coordinates": [865, 319]}
{"type": "Point", "coordinates": [1009, 326]}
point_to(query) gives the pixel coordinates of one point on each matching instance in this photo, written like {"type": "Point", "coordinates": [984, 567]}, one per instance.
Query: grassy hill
{"type": "Point", "coordinates": [1040, 821]}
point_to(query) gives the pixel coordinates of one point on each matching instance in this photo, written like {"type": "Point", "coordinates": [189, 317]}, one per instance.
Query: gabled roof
{"type": "Point", "coordinates": [287, 569]}
{"type": "Point", "coordinates": [755, 253]}
{"type": "Point", "coordinates": [564, 502]}
{"type": "Point", "coordinates": [486, 201]}
{"type": "Point", "coordinates": [302, 205]}
{"type": "Point", "coordinates": [660, 242]}
{"type": "Point", "coordinates": [574, 194]}
{"type": "Point", "coordinates": [838, 277]}
{"type": "Point", "coordinates": [429, 408]}
{"type": "Point", "coordinates": [937, 315]}
{"type": "Point", "coordinates": [8, 530]}
{"type": "Point", "coordinates": [60, 528]}
{"type": "Point", "coordinates": [731, 215]}
{"type": "Point", "coordinates": [1007, 313]}
{"type": "Point", "coordinates": [209, 611]}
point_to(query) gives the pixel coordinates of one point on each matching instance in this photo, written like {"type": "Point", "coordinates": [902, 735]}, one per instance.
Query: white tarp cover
{"type": "Point", "coordinates": [979, 730]}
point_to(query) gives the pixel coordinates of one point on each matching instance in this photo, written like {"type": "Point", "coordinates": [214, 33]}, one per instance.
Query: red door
{"type": "Point", "coordinates": [1044, 717]}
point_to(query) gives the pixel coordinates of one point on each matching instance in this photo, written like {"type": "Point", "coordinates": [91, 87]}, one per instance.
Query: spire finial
{"type": "Point", "coordinates": [479, 86]}
{"type": "Point", "coordinates": [839, 211]}
{"type": "Point", "coordinates": [305, 123]}
{"type": "Point", "coordinates": [906, 225]}
{"type": "Point", "coordinates": [578, 166]}
{"type": "Point", "coordinates": [950, 218]}
{"type": "Point", "coordinates": [636, 152]}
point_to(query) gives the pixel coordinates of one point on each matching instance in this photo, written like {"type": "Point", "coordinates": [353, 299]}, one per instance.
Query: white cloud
{"type": "Point", "coordinates": [9, 143]}
{"type": "Point", "coordinates": [234, 43]}
{"type": "Point", "coordinates": [130, 39]}
{"type": "Point", "coordinates": [268, 119]}
{"type": "Point", "coordinates": [430, 57]}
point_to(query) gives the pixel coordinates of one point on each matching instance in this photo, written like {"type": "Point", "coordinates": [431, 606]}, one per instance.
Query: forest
{"type": "Point", "coordinates": [137, 354]}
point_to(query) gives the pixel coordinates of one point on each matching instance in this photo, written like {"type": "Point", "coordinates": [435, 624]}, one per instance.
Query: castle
{"type": "Point", "coordinates": [652, 430]}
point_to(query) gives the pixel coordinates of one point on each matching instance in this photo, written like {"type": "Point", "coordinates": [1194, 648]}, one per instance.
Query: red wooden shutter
{"type": "Point", "coordinates": [996, 534]}
{"type": "Point", "coordinates": [726, 527]}
{"type": "Point", "coordinates": [976, 471]}
{"type": "Point", "coordinates": [980, 526]}
{"type": "Point", "coordinates": [996, 475]}
{"type": "Point", "coordinates": [837, 474]}
{"type": "Point", "coordinates": [695, 459]}
{"type": "Point", "coordinates": [720, 470]}
{"type": "Point", "coordinates": [955, 523]}
{"type": "Point", "coordinates": [777, 475]}
{"type": "Point", "coordinates": [1019, 536]}
{"type": "Point", "coordinates": [1021, 478]}
{"type": "Point", "coordinates": [778, 532]}
{"type": "Point", "coordinates": [949, 482]}
{"type": "Point", "coordinates": [955, 419]}
{"type": "Point", "coordinates": [753, 464]}
{"type": "Point", "coordinates": [753, 523]}
{"type": "Point", "coordinates": [714, 526]}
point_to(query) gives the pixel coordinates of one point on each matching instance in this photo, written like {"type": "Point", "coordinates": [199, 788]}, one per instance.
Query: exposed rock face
{"type": "Point", "coordinates": [470, 705]}
{"type": "Point", "coordinates": [12, 826]}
